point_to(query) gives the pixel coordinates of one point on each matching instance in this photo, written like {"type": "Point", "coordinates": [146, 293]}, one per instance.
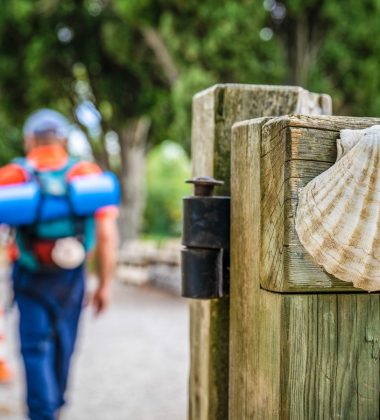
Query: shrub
{"type": "Point", "coordinates": [168, 167]}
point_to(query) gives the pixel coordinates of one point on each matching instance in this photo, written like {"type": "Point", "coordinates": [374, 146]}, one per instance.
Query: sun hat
{"type": "Point", "coordinates": [47, 120]}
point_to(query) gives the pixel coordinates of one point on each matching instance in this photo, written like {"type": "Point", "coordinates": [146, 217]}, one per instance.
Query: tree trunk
{"type": "Point", "coordinates": [302, 50]}
{"type": "Point", "coordinates": [101, 157]}
{"type": "Point", "coordinates": [133, 144]}
{"type": "Point", "coordinates": [302, 39]}
{"type": "Point", "coordinates": [155, 42]}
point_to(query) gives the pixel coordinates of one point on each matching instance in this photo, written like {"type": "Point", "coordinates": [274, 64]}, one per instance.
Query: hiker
{"type": "Point", "coordinates": [49, 262]}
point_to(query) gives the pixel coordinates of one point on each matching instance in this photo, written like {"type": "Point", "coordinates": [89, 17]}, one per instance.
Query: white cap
{"type": "Point", "coordinates": [46, 120]}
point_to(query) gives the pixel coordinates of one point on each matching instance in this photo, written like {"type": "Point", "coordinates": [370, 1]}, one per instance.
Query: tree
{"type": "Point", "coordinates": [333, 47]}
{"type": "Point", "coordinates": [138, 62]}
{"type": "Point", "coordinates": [65, 53]}
{"type": "Point", "coordinates": [210, 42]}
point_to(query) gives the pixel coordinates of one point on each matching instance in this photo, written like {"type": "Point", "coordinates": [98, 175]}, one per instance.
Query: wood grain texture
{"type": "Point", "coordinates": [214, 112]}
{"type": "Point", "coordinates": [200, 384]}
{"type": "Point", "coordinates": [255, 319]}
{"type": "Point", "coordinates": [329, 370]}
{"type": "Point", "coordinates": [292, 356]}
{"type": "Point", "coordinates": [294, 150]}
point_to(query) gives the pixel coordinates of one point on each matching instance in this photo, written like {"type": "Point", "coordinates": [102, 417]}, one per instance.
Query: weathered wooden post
{"type": "Point", "coordinates": [214, 112]}
{"type": "Point", "coordinates": [303, 344]}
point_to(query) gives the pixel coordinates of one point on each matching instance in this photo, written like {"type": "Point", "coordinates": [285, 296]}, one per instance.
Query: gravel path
{"type": "Point", "coordinates": [131, 363]}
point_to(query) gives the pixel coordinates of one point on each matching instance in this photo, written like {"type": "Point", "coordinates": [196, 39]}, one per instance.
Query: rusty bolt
{"type": "Point", "coordinates": [204, 185]}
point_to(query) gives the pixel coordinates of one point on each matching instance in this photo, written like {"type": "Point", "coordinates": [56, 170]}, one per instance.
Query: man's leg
{"type": "Point", "coordinates": [38, 352]}
{"type": "Point", "coordinates": [67, 332]}
{"type": "Point", "coordinates": [67, 328]}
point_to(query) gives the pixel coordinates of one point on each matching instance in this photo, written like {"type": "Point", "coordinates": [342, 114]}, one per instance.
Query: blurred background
{"type": "Point", "coordinates": [125, 71]}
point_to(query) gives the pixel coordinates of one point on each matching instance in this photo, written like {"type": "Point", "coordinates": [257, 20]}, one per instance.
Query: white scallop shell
{"type": "Point", "coordinates": [338, 214]}
{"type": "Point", "coordinates": [68, 253]}
{"type": "Point", "coordinates": [349, 138]}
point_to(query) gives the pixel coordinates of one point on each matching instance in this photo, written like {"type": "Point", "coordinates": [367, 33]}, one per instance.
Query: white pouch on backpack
{"type": "Point", "coordinates": [68, 253]}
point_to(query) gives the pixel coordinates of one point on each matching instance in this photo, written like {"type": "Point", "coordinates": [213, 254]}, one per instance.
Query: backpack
{"type": "Point", "coordinates": [53, 183]}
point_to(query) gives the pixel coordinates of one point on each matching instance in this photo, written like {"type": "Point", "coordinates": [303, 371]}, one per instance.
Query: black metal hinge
{"type": "Point", "coordinates": [205, 257]}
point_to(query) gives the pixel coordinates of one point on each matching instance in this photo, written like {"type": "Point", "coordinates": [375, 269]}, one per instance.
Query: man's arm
{"type": "Point", "coordinates": [106, 239]}
{"type": "Point", "coordinates": [107, 244]}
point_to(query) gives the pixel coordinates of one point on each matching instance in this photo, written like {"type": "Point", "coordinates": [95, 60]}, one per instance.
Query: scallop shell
{"type": "Point", "coordinates": [68, 253]}
{"type": "Point", "coordinates": [338, 214]}
{"type": "Point", "coordinates": [349, 138]}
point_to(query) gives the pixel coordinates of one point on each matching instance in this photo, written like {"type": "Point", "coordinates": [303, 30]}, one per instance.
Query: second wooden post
{"type": "Point", "coordinates": [215, 110]}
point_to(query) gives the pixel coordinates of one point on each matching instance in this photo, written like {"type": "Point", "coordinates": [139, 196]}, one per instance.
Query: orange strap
{"type": "Point", "coordinates": [12, 174]}
{"type": "Point", "coordinates": [83, 168]}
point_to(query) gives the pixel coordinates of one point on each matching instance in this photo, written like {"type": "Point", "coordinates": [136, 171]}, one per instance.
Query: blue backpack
{"type": "Point", "coordinates": [52, 184]}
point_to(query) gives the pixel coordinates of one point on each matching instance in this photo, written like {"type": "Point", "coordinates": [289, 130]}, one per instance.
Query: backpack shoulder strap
{"type": "Point", "coordinates": [71, 162]}
{"type": "Point", "coordinates": [28, 166]}
{"type": "Point", "coordinates": [25, 164]}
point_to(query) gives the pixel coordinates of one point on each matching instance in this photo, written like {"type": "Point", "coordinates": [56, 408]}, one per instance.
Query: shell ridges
{"type": "Point", "coordinates": [338, 214]}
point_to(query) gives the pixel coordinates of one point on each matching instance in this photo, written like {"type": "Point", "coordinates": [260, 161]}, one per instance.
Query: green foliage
{"type": "Point", "coordinates": [335, 48]}
{"type": "Point", "coordinates": [209, 42]}
{"type": "Point", "coordinates": [13, 144]}
{"type": "Point", "coordinates": [167, 169]}
{"type": "Point", "coordinates": [216, 41]}
{"type": "Point", "coordinates": [348, 60]}
{"type": "Point", "coordinates": [193, 80]}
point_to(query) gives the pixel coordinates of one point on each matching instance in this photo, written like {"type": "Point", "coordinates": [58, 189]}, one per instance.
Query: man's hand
{"type": "Point", "coordinates": [101, 298]}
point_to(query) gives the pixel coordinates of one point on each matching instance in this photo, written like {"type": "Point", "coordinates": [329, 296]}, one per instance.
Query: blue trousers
{"type": "Point", "coordinates": [49, 306]}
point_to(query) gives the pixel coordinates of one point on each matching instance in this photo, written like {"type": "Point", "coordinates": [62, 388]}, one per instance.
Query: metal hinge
{"type": "Point", "coordinates": [205, 259]}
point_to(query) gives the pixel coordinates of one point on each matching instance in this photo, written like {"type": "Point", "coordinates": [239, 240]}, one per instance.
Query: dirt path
{"type": "Point", "coordinates": [131, 364]}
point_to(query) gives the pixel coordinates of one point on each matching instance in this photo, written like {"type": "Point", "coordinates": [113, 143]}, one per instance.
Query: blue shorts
{"type": "Point", "coordinates": [49, 304]}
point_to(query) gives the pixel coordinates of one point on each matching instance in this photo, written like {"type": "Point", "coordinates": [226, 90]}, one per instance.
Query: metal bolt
{"type": "Point", "coordinates": [204, 185]}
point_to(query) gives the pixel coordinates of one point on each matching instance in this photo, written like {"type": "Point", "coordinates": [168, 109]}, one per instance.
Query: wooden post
{"type": "Point", "coordinates": [215, 110]}
{"type": "Point", "coordinates": [293, 355]}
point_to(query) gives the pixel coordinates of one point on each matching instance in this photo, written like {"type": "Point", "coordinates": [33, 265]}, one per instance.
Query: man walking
{"type": "Point", "coordinates": [48, 296]}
